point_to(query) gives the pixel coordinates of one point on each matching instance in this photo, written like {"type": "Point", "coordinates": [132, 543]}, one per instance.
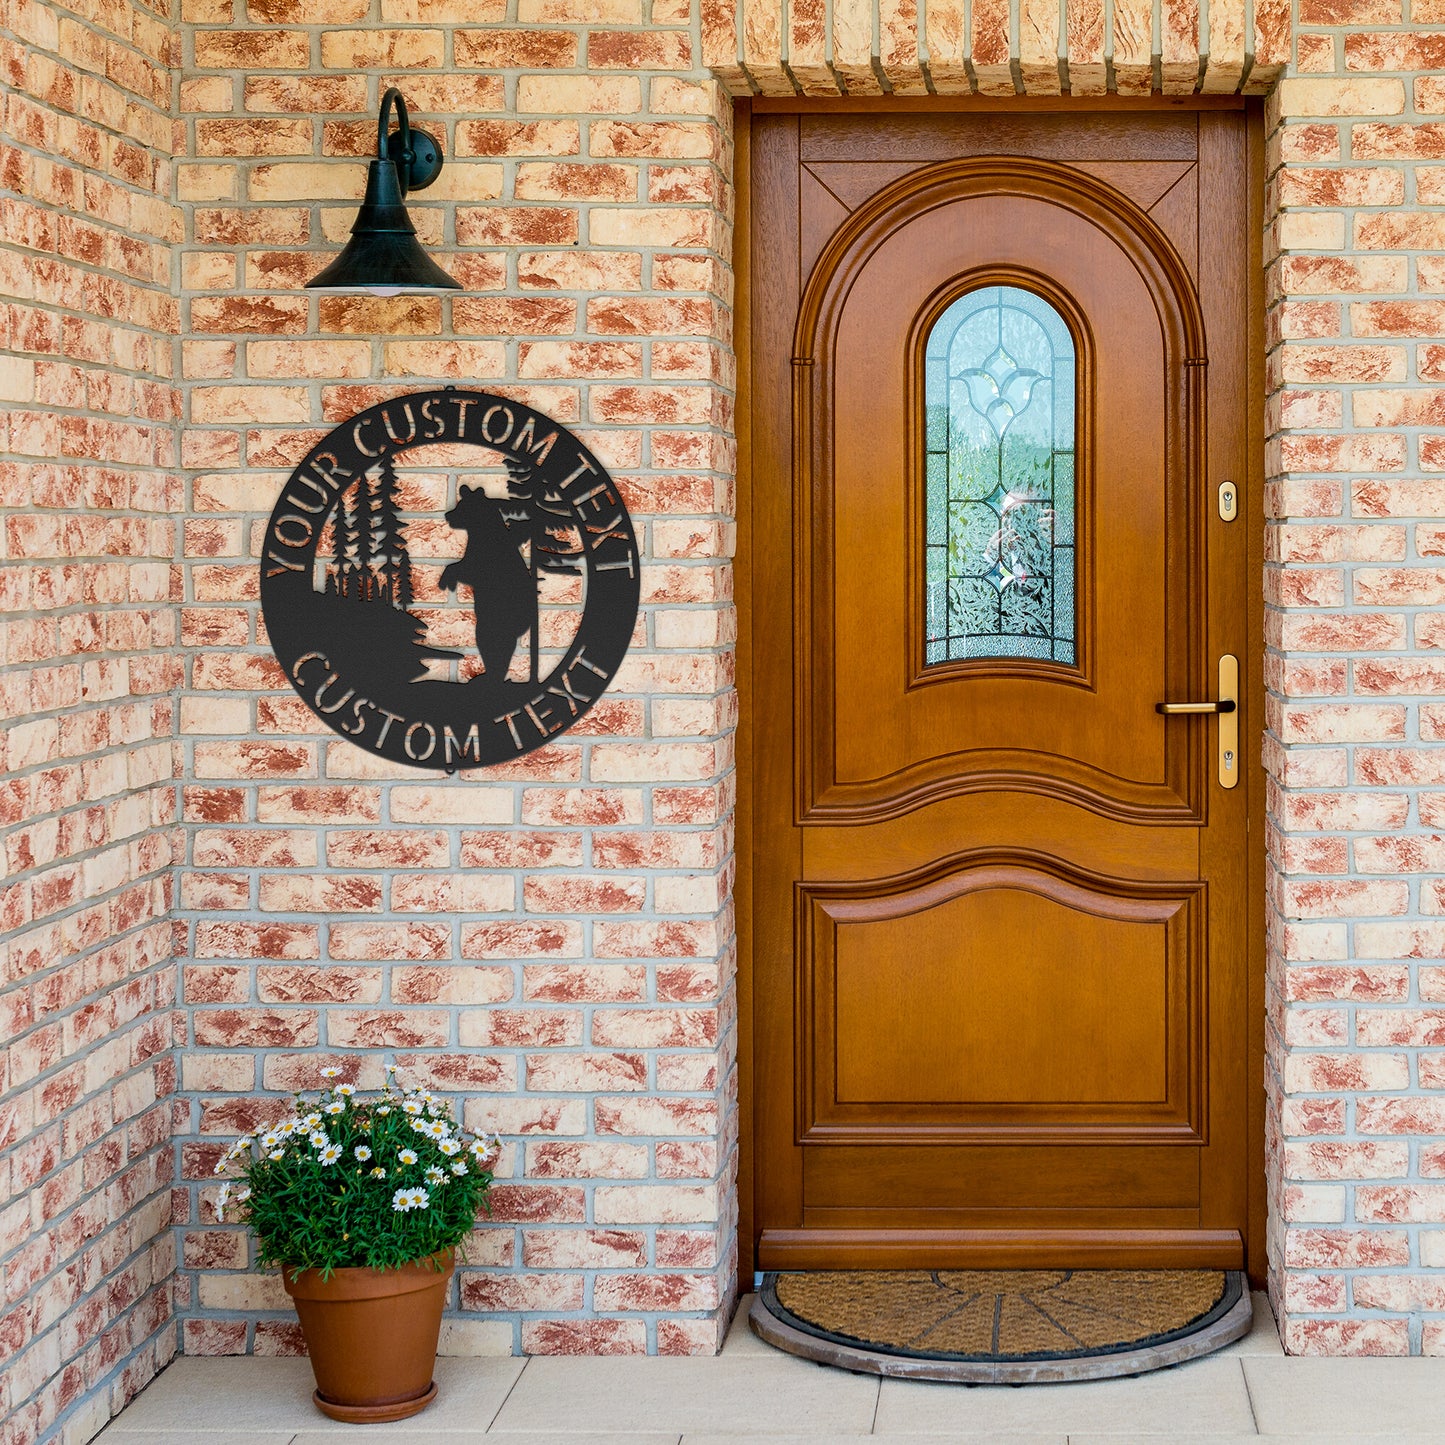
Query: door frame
{"type": "Point", "coordinates": [1252, 516]}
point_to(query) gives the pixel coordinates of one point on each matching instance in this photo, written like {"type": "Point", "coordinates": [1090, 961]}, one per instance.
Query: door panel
{"type": "Point", "coordinates": [987, 1043]}
{"type": "Point", "coordinates": [999, 901]}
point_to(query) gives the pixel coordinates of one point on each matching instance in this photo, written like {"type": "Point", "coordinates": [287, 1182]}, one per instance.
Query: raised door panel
{"type": "Point", "coordinates": [887, 731]}
{"type": "Point", "coordinates": [1028, 1001]}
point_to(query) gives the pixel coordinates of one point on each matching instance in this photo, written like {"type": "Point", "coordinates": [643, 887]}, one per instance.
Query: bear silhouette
{"type": "Point", "coordinates": [504, 596]}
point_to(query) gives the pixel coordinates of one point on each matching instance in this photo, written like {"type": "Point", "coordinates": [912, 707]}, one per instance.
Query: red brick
{"type": "Point", "coordinates": [584, 1337]}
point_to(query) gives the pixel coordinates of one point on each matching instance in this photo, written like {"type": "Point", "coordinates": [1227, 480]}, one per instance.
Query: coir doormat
{"type": "Point", "coordinates": [981, 1326]}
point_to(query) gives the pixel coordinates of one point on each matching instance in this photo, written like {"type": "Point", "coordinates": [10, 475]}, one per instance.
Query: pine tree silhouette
{"type": "Point", "coordinates": [374, 553]}
{"type": "Point", "coordinates": [550, 528]}
{"type": "Point", "coordinates": [553, 543]}
{"type": "Point", "coordinates": [393, 561]}
{"type": "Point", "coordinates": [346, 539]}
{"type": "Point", "coordinates": [370, 561]}
{"type": "Point", "coordinates": [336, 567]}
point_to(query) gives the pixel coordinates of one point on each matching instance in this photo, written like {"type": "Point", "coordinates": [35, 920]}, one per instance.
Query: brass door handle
{"type": "Point", "coordinates": [1173, 709]}
{"type": "Point", "coordinates": [1227, 705]}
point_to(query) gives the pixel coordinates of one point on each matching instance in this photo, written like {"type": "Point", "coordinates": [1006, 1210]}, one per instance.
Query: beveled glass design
{"type": "Point", "coordinates": [999, 391]}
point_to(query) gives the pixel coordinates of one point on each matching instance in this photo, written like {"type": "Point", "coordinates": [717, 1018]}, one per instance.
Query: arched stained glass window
{"type": "Point", "coordinates": [999, 519]}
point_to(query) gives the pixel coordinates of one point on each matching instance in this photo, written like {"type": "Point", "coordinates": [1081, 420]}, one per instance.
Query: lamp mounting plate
{"type": "Point", "coordinates": [426, 158]}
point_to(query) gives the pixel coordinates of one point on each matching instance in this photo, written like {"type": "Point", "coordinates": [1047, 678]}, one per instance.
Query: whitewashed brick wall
{"type": "Point", "coordinates": [552, 942]}
{"type": "Point", "coordinates": [1354, 585]}
{"type": "Point", "coordinates": [89, 499]}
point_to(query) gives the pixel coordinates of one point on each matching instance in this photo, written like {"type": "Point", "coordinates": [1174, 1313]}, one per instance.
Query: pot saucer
{"type": "Point", "coordinates": [375, 1414]}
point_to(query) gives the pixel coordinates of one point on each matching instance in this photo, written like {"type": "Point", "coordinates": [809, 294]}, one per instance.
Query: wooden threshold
{"type": "Point", "coordinates": [785, 1249]}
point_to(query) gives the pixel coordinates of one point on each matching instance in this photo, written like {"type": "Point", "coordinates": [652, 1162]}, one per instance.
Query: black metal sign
{"type": "Point", "coordinates": [360, 615]}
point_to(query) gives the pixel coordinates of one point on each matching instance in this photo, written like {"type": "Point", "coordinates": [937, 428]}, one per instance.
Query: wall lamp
{"type": "Point", "coordinates": [383, 255]}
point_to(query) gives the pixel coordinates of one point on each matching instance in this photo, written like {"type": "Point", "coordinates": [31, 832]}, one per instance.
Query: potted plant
{"type": "Point", "coordinates": [362, 1202]}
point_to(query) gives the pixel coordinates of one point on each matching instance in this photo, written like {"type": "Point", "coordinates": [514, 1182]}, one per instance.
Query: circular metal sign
{"type": "Point", "coordinates": [362, 621]}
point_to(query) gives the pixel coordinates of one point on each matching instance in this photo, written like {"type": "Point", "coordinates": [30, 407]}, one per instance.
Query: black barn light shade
{"type": "Point", "coordinates": [383, 255]}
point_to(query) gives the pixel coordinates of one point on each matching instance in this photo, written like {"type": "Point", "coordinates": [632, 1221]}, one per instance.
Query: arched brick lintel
{"type": "Point", "coordinates": [996, 47]}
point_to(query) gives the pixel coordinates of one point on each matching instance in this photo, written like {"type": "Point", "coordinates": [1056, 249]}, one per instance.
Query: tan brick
{"type": "Point", "coordinates": [1347, 97]}
{"type": "Point", "coordinates": [1403, 230]}
{"type": "Point", "coordinates": [1305, 275]}
{"type": "Point", "coordinates": [578, 95]}
{"type": "Point", "coordinates": [580, 182]}
{"type": "Point", "coordinates": [307, 181]}
{"type": "Point", "coordinates": [516, 49]}
{"type": "Point", "coordinates": [252, 50]}
{"type": "Point", "coordinates": [515, 137]}
{"type": "Point", "coordinates": [374, 49]}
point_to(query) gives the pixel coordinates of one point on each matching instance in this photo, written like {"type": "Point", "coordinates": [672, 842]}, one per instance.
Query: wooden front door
{"type": "Point", "coordinates": [1001, 904]}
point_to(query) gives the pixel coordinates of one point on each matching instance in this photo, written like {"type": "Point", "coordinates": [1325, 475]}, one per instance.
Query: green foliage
{"type": "Point", "coordinates": [350, 1180]}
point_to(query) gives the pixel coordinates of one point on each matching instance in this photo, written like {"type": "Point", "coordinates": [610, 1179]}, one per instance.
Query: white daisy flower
{"type": "Point", "coordinates": [437, 1129]}
{"type": "Point", "coordinates": [335, 1107]}
{"type": "Point", "coordinates": [277, 1154]}
{"type": "Point", "coordinates": [401, 1201]}
{"type": "Point", "coordinates": [331, 1154]}
{"type": "Point", "coordinates": [330, 1073]}
{"type": "Point", "coordinates": [220, 1165]}
{"type": "Point", "coordinates": [420, 1198]}
{"type": "Point", "coordinates": [270, 1139]}
{"type": "Point", "coordinates": [480, 1148]}
{"type": "Point", "coordinates": [450, 1146]}
{"type": "Point", "coordinates": [319, 1139]}
{"type": "Point", "coordinates": [345, 1090]}
{"type": "Point", "coordinates": [392, 1068]}
{"type": "Point", "coordinates": [289, 1127]}
{"type": "Point", "coordinates": [362, 1152]}
{"type": "Point", "coordinates": [385, 1109]}
{"type": "Point", "coordinates": [435, 1175]}
{"type": "Point", "coordinates": [459, 1167]}
{"type": "Point", "coordinates": [311, 1120]}
{"type": "Point", "coordinates": [221, 1200]}
{"type": "Point", "coordinates": [413, 1106]}
{"type": "Point", "coordinates": [407, 1156]}
{"type": "Point", "coordinates": [242, 1195]}
{"type": "Point", "coordinates": [378, 1172]}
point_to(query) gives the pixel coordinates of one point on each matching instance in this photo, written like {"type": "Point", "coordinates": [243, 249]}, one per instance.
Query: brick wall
{"type": "Point", "coordinates": [88, 502]}
{"type": "Point", "coordinates": [1356, 1072]}
{"type": "Point", "coordinates": [550, 941]}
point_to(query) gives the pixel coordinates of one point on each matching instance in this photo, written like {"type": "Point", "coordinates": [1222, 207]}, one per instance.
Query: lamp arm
{"type": "Point", "coordinates": [393, 97]}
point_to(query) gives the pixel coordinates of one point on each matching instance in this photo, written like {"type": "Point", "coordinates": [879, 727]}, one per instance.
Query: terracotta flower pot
{"type": "Point", "coordinates": [372, 1336]}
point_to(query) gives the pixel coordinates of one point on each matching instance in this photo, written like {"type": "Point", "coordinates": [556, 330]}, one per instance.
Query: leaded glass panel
{"type": "Point", "coordinates": [999, 392]}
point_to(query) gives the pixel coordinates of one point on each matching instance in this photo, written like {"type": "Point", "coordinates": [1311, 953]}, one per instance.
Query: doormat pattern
{"type": "Point", "coordinates": [984, 1325]}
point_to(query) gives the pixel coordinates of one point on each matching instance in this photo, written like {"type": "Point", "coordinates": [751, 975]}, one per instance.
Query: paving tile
{"type": "Point", "coordinates": [204, 1396]}
{"type": "Point", "coordinates": [117, 1436]}
{"type": "Point", "coordinates": [954, 1439]}
{"type": "Point", "coordinates": [1202, 1397]}
{"type": "Point", "coordinates": [740, 1338]}
{"type": "Point", "coordinates": [1351, 1397]}
{"type": "Point", "coordinates": [1263, 1336]}
{"type": "Point", "coordinates": [776, 1395]}
{"type": "Point", "coordinates": [1251, 1439]}
{"type": "Point", "coordinates": [218, 1395]}
{"type": "Point", "coordinates": [414, 1432]}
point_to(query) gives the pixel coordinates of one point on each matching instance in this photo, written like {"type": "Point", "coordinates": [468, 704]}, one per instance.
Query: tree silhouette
{"type": "Point", "coordinates": [336, 568]}
{"type": "Point", "coordinates": [344, 577]}
{"type": "Point", "coordinates": [392, 560]}
{"type": "Point", "coordinates": [370, 561]}
{"type": "Point", "coordinates": [554, 544]}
